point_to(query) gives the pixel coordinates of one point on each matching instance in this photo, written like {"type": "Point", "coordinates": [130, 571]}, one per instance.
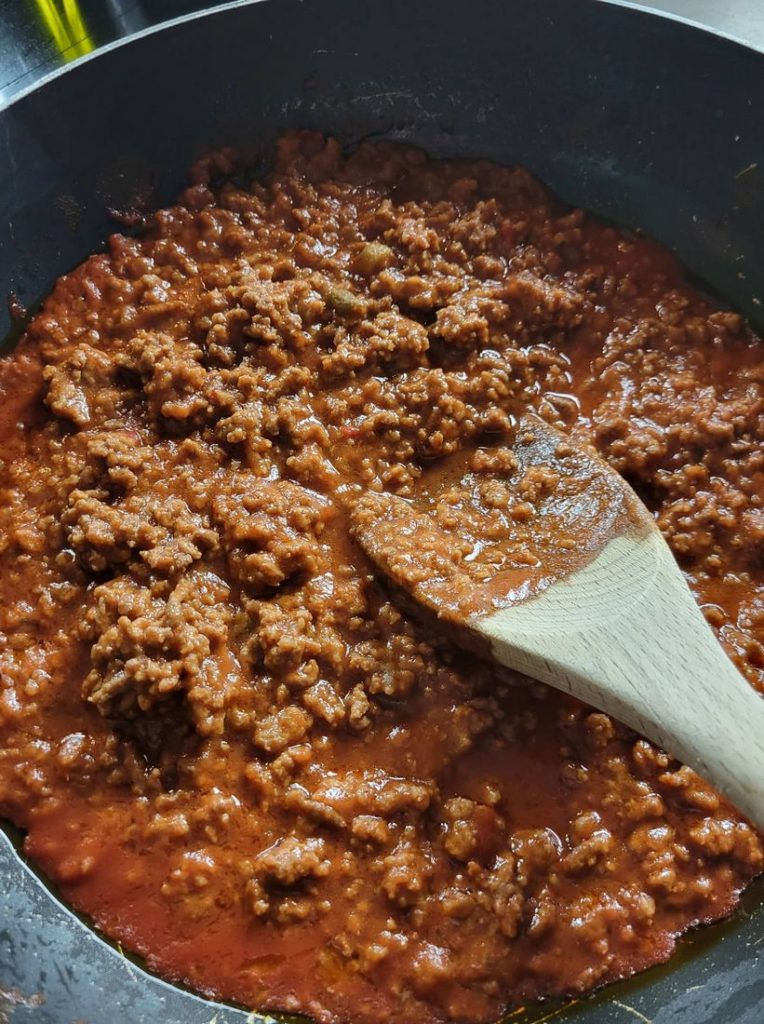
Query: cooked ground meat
{"type": "Point", "coordinates": [227, 742]}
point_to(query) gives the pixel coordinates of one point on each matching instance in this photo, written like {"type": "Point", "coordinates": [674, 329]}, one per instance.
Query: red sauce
{"type": "Point", "coordinates": [228, 743]}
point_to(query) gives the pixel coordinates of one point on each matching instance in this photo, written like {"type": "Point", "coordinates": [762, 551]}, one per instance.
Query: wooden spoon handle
{"type": "Point", "coordinates": [652, 661]}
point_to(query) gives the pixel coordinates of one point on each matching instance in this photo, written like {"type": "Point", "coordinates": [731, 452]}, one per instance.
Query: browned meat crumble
{"type": "Point", "coordinates": [228, 743]}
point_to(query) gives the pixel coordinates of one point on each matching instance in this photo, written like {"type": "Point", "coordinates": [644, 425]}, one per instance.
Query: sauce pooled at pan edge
{"type": "Point", "coordinates": [227, 743]}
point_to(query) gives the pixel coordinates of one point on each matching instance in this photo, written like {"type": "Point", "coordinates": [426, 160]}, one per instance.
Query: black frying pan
{"type": "Point", "coordinates": [643, 119]}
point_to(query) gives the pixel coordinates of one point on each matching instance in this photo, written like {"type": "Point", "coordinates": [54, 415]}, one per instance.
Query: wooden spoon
{"type": "Point", "coordinates": [577, 588]}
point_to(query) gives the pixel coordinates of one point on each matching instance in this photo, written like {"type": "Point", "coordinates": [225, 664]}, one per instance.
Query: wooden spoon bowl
{"type": "Point", "coordinates": [580, 591]}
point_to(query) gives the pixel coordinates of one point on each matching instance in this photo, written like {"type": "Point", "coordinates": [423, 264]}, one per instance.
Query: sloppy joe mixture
{"type": "Point", "coordinates": [227, 742]}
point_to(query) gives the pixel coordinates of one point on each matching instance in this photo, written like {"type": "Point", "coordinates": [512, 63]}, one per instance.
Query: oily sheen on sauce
{"type": "Point", "coordinates": [227, 742]}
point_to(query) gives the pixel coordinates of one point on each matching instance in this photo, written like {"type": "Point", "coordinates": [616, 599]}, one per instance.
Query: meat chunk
{"type": "Point", "coordinates": [164, 533]}
{"type": "Point", "coordinates": [407, 872]}
{"type": "Point", "coordinates": [290, 862]}
{"type": "Point", "coordinates": [150, 643]}
{"type": "Point", "coordinates": [503, 896]}
{"type": "Point", "coordinates": [373, 792]}
{"type": "Point", "coordinates": [269, 532]}
{"type": "Point", "coordinates": [281, 729]}
{"type": "Point", "coordinates": [72, 380]}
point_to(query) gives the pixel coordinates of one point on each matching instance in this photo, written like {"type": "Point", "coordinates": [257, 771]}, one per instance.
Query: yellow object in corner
{"type": "Point", "coordinates": [66, 26]}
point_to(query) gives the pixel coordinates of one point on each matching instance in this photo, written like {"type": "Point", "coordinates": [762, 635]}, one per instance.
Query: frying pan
{"type": "Point", "coordinates": [645, 120]}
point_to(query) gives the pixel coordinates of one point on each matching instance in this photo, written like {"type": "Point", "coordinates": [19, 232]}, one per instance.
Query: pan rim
{"type": "Point", "coordinates": [636, 8]}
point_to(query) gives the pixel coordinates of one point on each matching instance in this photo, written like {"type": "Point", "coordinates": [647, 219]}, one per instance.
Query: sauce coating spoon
{"type": "Point", "coordinates": [574, 585]}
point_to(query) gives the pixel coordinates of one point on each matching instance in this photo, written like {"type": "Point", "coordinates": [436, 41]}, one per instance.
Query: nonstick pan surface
{"type": "Point", "coordinates": [643, 119]}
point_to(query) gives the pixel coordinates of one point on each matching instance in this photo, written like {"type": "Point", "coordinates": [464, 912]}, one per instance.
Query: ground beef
{"type": "Point", "coordinates": [165, 534]}
{"type": "Point", "coordinates": [153, 642]}
{"type": "Point", "coordinates": [286, 864]}
{"type": "Point", "coordinates": [227, 741]}
{"type": "Point", "coordinates": [269, 532]}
